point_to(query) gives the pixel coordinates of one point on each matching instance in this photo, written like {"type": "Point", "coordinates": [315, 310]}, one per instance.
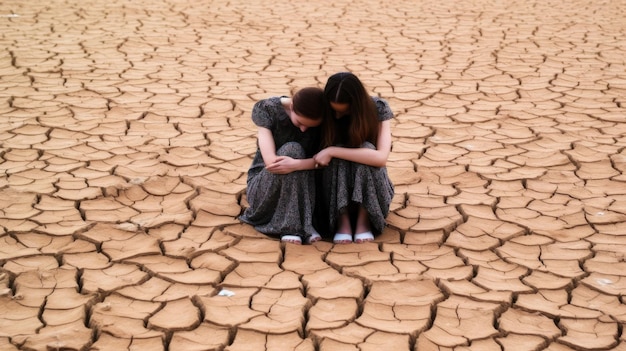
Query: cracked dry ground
{"type": "Point", "coordinates": [126, 136]}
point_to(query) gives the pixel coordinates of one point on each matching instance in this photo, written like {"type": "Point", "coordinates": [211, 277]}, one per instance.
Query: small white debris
{"type": "Point", "coordinates": [106, 306]}
{"type": "Point", "coordinates": [56, 345]}
{"type": "Point", "coordinates": [227, 293]}
{"type": "Point", "coordinates": [137, 181]}
{"type": "Point", "coordinates": [604, 281]}
{"type": "Point", "coordinates": [127, 226]}
{"type": "Point", "coordinates": [11, 15]}
{"type": "Point", "coordinates": [599, 213]}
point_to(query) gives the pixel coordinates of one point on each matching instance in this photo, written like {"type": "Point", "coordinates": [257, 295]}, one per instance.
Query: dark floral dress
{"type": "Point", "coordinates": [345, 182]}
{"type": "Point", "coordinates": [281, 204]}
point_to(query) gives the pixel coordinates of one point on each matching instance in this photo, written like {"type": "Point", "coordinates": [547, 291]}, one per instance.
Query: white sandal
{"type": "Point", "coordinates": [292, 239]}
{"type": "Point", "coordinates": [363, 237]}
{"type": "Point", "coordinates": [342, 238]}
{"type": "Point", "coordinates": [315, 237]}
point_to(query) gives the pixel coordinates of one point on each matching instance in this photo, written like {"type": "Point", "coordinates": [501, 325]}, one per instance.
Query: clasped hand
{"type": "Point", "coordinates": [282, 165]}
{"type": "Point", "coordinates": [323, 157]}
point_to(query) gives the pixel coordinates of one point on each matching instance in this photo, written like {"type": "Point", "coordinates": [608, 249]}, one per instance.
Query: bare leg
{"type": "Point", "coordinates": [344, 224]}
{"type": "Point", "coordinates": [362, 221]}
{"type": "Point", "coordinates": [363, 228]}
{"type": "Point", "coordinates": [344, 229]}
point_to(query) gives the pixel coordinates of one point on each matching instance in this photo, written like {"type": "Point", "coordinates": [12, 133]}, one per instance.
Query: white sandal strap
{"type": "Point", "coordinates": [363, 237]}
{"type": "Point", "coordinates": [291, 239]}
{"type": "Point", "coordinates": [339, 238]}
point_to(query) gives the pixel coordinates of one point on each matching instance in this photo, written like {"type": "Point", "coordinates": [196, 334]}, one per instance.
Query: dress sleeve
{"type": "Point", "coordinates": [262, 114]}
{"type": "Point", "coordinates": [384, 111]}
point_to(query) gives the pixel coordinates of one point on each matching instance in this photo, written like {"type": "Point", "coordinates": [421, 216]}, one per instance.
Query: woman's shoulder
{"type": "Point", "coordinates": [265, 112]}
{"type": "Point", "coordinates": [271, 102]}
{"type": "Point", "coordinates": [274, 105]}
{"type": "Point", "coordinates": [383, 109]}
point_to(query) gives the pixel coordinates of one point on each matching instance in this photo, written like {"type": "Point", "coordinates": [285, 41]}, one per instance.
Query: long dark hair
{"type": "Point", "coordinates": [346, 88]}
{"type": "Point", "coordinates": [309, 103]}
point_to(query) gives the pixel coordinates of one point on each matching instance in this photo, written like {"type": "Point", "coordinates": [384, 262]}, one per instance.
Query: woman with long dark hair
{"type": "Point", "coordinates": [356, 142]}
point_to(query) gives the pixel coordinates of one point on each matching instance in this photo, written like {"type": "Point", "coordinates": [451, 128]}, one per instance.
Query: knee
{"type": "Point", "coordinates": [292, 149]}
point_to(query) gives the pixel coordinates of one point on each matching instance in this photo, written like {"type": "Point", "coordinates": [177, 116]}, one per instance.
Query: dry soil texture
{"type": "Point", "coordinates": [125, 138]}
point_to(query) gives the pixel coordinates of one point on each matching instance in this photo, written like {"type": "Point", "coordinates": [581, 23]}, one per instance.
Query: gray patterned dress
{"type": "Point", "coordinates": [345, 182]}
{"type": "Point", "coordinates": [281, 203]}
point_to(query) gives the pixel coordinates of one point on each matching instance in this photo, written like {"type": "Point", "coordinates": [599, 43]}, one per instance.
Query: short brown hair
{"type": "Point", "coordinates": [309, 103]}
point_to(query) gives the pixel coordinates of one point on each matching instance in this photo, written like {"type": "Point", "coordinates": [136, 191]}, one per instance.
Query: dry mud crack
{"type": "Point", "coordinates": [125, 137]}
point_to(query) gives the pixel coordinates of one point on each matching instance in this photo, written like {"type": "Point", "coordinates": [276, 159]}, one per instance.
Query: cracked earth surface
{"type": "Point", "coordinates": [126, 136]}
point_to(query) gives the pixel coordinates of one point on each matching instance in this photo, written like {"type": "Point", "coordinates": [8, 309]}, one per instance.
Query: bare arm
{"type": "Point", "coordinates": [370, 157]}
{"type": "Point", "coordinates": [279, 164]}
{"type": "Point", "coordinates": [267, 145]}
